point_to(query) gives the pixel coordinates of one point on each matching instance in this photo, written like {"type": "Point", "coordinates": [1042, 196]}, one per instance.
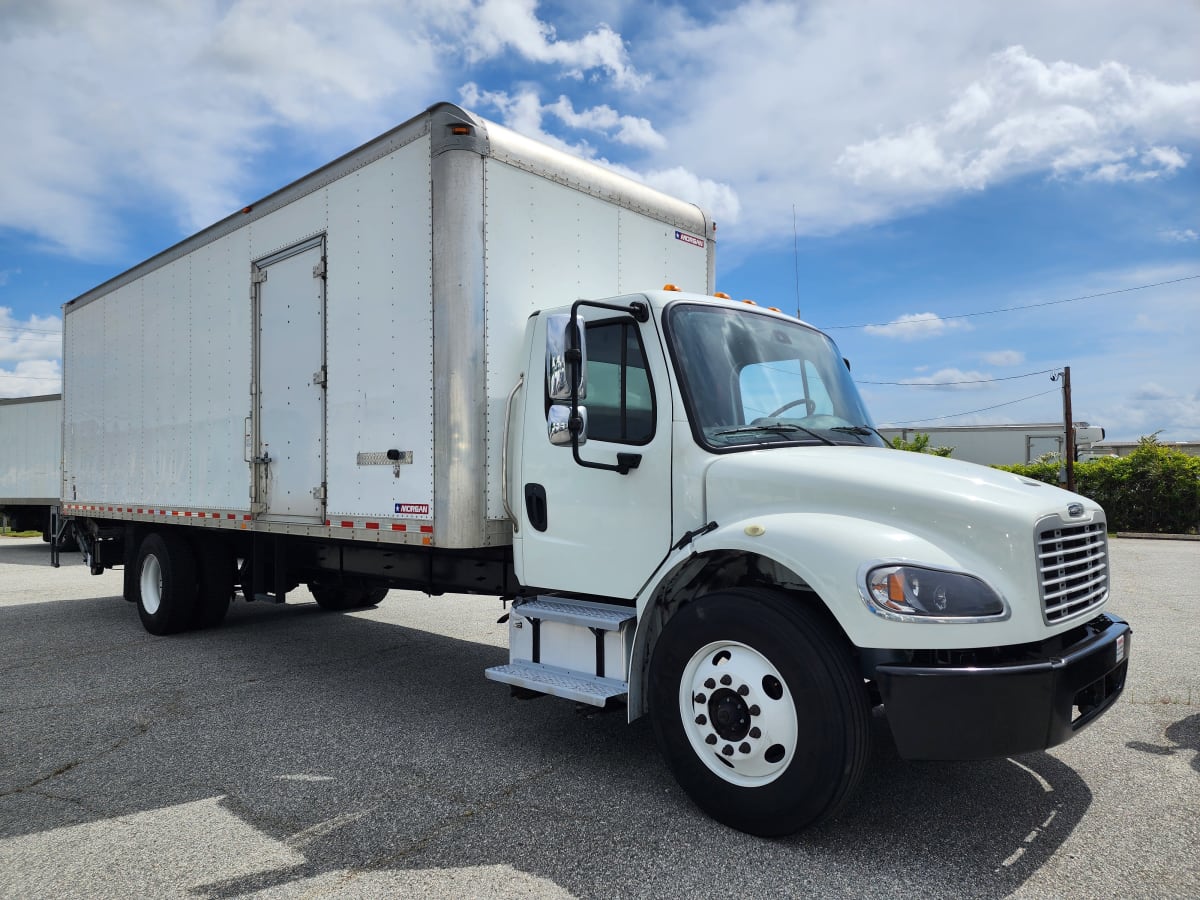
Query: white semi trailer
{"type": "Point", "coordinates": [443, 363]}
{"type": "Point", "coordinates": [30, 460]}
{"type": "Point", "coordinates": [1004, 445]}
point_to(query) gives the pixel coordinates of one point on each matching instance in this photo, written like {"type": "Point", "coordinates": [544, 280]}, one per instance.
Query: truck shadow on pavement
{"type": "Point", "coordinates": [352, 747]}
{"type": "Point", "coordinates": [1184, 735]}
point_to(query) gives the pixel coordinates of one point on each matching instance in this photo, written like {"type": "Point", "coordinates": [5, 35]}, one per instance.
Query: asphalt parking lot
{"type": "Point", "coordinates": [297, 753]}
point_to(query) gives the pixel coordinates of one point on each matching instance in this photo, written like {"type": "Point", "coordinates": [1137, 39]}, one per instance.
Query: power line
{"type": "Point", "coordinates": [992, 312]}
{"type": "Point", "coordinates": [22, 330]}
{"type": "Point", "coordinates": [975, 381]}
{"type": "Point", "coordinates": [971, 411]}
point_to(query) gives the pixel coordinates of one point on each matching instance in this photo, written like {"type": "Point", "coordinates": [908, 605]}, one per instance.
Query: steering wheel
{"type": "Point", "coordinates": [810, 407]}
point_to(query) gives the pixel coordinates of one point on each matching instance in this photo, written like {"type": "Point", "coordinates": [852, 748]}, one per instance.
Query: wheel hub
{"type": "Point", "coordinates": [738, 713]}
{"type": "Point", "coordinates": [730, 715]}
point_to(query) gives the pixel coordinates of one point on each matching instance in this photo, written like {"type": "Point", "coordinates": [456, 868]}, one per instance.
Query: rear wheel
{"type": "Point", "coordinates": [166, 583]}
{"type": "Point", "coordinates": [216, 575]}
{"type": "Point", "coordinates": [759, 711]}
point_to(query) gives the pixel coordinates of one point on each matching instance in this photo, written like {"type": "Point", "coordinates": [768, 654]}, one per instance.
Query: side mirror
{"type": "Point", "coordinates": [558, 425]}
{"type": "Point", "coordinates": [566, 358]}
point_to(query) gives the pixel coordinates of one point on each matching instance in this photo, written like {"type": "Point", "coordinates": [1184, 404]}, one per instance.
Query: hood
{"type": "Point", "coordinates": [930, 496]}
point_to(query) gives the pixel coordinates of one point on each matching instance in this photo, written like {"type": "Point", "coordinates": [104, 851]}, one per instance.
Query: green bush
{"type": "Point", "coordinates": [920, 444]}
{"type": "Point", "coordinates": [1154, 489]}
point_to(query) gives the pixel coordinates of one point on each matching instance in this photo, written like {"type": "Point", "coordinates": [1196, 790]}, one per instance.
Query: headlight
{"type": "Point", "coordinates": [930, 593]}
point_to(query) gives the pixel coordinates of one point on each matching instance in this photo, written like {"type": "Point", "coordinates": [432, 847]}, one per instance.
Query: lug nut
{"type": "Point", "coordinates": [710, 684]}
{"type": "Point", "coordinates": [726, 680]}
{"type": "Point", "coordinates": [701, 720]}
{"type": "Point", "coordinates": [711, 739]}
{"type": "Point", "coordinates": [755, 733]}
{"type": "Point", "coordinates": [727, 749]}
{"type": "Point", "coordinates": [755, 711]}
{"type": "Point", "coordinates": [743, 690]}
{"type": "Point", "coordinates": [745, 748]}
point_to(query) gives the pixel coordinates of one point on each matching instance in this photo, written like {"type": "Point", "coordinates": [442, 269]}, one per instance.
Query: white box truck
{"type": "Point", "coordinates": [444, 362]}
{"type": "Point", "coordinates": [30, 460]}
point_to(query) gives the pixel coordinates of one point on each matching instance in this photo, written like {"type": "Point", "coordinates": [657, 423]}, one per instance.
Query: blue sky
{"type": "Point", "coordinates": [901, 166]}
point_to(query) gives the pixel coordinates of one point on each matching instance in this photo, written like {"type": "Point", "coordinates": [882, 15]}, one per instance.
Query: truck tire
{"type": "Point", "coordinates": [215, 576]}
{"type": "Point", "coordinates": [166, 583]}
{"type": "Point", "coordinates": [759, 711]}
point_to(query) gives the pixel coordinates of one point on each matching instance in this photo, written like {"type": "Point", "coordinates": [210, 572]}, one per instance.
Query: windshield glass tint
{"type": "Point", "coordinates": [751, 379]}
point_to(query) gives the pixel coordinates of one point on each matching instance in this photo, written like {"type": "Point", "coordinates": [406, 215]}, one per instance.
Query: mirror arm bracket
{"type": "Point", "coordinates": [626, 462]}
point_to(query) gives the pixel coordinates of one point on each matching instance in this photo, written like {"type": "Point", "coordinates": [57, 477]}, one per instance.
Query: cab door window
{"type": "Point", "coordinates": [620, 397]}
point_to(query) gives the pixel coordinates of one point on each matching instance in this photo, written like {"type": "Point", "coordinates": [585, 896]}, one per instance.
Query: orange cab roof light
{"type": "Point", "coordinates": [750, 303]}
{"type": "Point", "coordinates": [670, 287]}
{"type": "Point", "coordinates": [722, 295]}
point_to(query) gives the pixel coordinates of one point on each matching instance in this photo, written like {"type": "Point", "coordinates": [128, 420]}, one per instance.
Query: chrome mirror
{"type": "Point", "coordinates": [558, 424]}
{"type": "Point", "coordinates": [562, 340]}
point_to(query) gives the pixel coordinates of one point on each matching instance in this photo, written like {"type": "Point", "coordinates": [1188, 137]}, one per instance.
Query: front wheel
{"type": "Point", "coordinates": [759, 711]}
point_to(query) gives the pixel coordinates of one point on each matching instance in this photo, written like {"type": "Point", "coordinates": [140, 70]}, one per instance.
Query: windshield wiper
{"type": "Point", "coordinates": [775, 429]}
{"type": "Point", "coordinates": [858, 429]}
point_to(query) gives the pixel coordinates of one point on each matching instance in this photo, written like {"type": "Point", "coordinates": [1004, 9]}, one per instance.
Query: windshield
{"type": "Point", "coordinates": [751, 379]}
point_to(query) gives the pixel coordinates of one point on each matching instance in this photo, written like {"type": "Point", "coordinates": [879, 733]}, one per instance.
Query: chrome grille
{"type": "Point", "coordinates": [1072, 569]}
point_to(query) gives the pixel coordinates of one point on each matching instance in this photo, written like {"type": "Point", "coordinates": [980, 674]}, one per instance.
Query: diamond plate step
{"type": "Point", "coordinates": [576, 612]}
{"type": "Point", "coordinates": [577, 686]}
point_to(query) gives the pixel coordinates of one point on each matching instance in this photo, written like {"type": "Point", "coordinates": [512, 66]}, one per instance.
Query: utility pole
{"type": "Point", "coordinates": [1069, 426]}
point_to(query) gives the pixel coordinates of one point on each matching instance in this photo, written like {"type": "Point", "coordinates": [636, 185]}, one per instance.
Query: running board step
{"type": "Point", "coordinates": [573, 612]}
{"type": "Point", "coordinates": [577, 686]}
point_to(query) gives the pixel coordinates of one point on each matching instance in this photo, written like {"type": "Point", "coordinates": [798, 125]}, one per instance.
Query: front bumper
{"type": "Point", "coordinates": [1006, 708]}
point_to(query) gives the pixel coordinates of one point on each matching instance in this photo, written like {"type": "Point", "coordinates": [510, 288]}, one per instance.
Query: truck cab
{"type": "Point", "coordinates": [699, 494]}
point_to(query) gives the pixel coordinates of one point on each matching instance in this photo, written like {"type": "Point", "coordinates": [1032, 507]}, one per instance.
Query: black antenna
{"type": "Point", "coordinates": [796, 257]}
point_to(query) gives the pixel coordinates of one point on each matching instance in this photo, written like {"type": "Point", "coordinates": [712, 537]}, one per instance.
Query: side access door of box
{"type": "Point", "coordinates": [287, 431]}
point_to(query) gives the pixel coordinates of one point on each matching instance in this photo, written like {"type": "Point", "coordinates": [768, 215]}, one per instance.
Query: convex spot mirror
{"type": "Point", "coordinates": [558, 424]}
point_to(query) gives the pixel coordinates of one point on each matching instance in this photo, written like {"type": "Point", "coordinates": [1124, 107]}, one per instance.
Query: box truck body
{"type": "Point", "coordinates": [30, 460]}
{"type": "Point", "coordinates": [1003, 445]}
{"type": "Point", "coordinates": [448, 361]}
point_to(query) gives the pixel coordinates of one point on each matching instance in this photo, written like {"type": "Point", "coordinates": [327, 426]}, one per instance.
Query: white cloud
{"type": "Point", "coordinates": [31, 378]}
{"type": "Point", "coordinates": [1179, 235]}
{"type": "Point", "coordinates": [953, 380]}
{"type": "Point", "coordinates": [1150, 407]}
{"type": "Point", "coordinates": [631, 130]}
{"type": "Point", "coordinates": [1027, 115]}
{"type": "Point", "coordinates": [504, 24]}
{"type": "Point", "coordinates": [166, 106]}
{"type": "Point", "coordinates": [916, 327]}
{"type": "Point", "coordinates": [1004, 358]}
{"type": "Point", "coordinates": [34, 338]}
{"type": "Point", "coordinates": [792, 111]}
{"type": "Point", "coordinates": [524, 112]}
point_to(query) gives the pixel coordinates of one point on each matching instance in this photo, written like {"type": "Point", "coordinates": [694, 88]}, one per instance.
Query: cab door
{"type": "Point", "coordinates": [596, 530]}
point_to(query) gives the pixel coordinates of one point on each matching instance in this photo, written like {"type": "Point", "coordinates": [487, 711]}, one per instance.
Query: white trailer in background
{"type": "Point", "coordinates": [444, 363]}
{"type": "Point", "coordinates": [1002, 445]}
{"type": "Point", "coordinates": [30, 461]}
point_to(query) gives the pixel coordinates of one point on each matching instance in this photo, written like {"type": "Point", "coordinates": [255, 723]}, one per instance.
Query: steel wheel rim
{"type": "Point", "coordinates": [151, 584]}
{"type": "Point", "coordinates": [738, 713]}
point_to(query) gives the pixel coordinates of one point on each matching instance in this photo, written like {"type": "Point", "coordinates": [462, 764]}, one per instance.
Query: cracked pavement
{"type": "Point", "coordinates": [297, 753]}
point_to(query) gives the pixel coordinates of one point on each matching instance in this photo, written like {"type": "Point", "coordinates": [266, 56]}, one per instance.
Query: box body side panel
{"type": "Point", "coordinates": [548, 244]}
{"type": "Point", "coordinates": [159, 370]}
{"type": "Point", "coordinates": [30, 450]}
{"type": "Point", "coordinates": [380, 337]}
